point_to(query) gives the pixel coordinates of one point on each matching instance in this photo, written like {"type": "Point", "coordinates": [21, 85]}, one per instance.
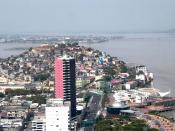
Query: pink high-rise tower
{"type": "Point", "coordinates": [65, 81]}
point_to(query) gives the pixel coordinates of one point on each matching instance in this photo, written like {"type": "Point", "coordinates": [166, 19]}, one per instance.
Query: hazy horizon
{"type": "Point", "coordinates": [78, 16]}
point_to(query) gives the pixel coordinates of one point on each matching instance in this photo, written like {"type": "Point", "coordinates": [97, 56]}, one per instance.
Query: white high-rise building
{"type": "Point", "coordinates": [57, 115]}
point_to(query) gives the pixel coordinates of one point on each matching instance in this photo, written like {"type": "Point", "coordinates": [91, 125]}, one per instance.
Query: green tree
{"type": "Point", "coordinates": [8, 91]}
{"type": "Point", "coordinates": [108, 125]}
{"type": "Point", "coordinates": [105, 87]}
{"type": "Point", "coordinates": [107, 78]}
{"type": "Point", "coordinates": [137, 125]}
{"type": "Point", "coordinates": [30, 49]}
{"type": "Point", "coordinates": [123, 69]}
{"type": "Point", "coordinates": [105, 99]}
{"type": "Point", "coordinates": [110, 71]}
{"type": "Point", "coordinates": [87, 98]}
{"type": "Point", "coordinates": [38, 99]}
{"type": "Point", "coordinates": [41, 77]}
{"type": "Point", "coordinates": [13, 92]}
{"type": "Point", "coordinates": [2, 95]}
{"type": "Point", "coordinates": [115, 125]}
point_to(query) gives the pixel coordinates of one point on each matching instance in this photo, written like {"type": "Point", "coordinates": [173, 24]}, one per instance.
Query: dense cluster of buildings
{"type": "Point", "coordinates": [37, 65]}
{"type": "Point", "coordinates": [77, 78]}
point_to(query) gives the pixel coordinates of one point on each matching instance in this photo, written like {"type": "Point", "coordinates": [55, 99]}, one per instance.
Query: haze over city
{"type": "Point", "coordinates": [101, 16]}
{"type": "Point", "coordinates": [87, 65]}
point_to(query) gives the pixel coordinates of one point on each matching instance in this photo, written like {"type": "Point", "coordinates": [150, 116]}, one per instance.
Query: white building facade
{"type": "Point", "coordinates": [39, 123]}
{"type": "Point", "coordinates": [57, 115]}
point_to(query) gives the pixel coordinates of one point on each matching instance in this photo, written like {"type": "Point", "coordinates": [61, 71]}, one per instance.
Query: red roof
{"type": "Point", "coordinates": [115, 81]}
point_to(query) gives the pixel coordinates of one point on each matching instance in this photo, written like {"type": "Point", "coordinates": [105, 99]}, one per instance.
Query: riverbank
{"type": "Point", "coordinates": [38, 63]}
{"type": "Point", "coordinates": [156, 50]}
{"type": "Point", "coordinates": [157, 54]}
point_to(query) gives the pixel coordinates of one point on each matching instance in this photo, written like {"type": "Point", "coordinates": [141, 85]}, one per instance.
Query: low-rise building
{"type": "Point", "coordinates": [39, 123]}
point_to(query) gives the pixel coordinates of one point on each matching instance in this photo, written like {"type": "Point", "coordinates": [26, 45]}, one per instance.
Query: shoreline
{"type": "Point", "coordinates": [21, 50]}
{"type": "Point", "coordinates": [157, 56]}
{"type": "Point", "coordinates": [89, 51]}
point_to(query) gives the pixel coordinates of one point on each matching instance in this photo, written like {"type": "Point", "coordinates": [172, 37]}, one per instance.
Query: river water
{"type": "Point", "coordinates": [156, 51]}
{"type": "Point", "coordinates": [8, 49]}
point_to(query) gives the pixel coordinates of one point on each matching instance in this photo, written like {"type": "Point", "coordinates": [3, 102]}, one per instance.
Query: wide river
{"type": "Point", "coordinates": [8, 49]}
{"type": "Point", "coordinates": [156, 51]}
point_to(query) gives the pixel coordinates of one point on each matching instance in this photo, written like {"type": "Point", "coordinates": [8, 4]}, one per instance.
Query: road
{"type": "Point", "coordinates": [93, 108]}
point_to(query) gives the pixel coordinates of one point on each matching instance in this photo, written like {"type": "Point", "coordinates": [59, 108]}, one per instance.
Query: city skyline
{"type": "Point", "coordinates": [94, 65]}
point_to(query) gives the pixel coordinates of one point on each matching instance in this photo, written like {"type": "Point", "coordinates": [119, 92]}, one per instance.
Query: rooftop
{"type": "Point", "coordinates": [65, 57]}
{"type": "Point", "coordinates": [57, 102]}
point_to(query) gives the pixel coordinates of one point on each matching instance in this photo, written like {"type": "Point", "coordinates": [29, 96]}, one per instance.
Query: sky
{"type": "Point", "coordinates": [60, 16]}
